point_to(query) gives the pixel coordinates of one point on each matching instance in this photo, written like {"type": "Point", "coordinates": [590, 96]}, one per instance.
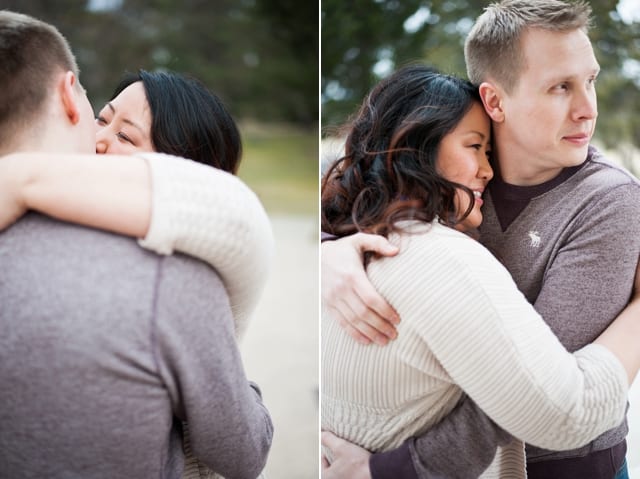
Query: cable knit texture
{"type": "Point", "coordinates": [212, 215]}
{"type": "Point", "coordinates": [465, 327]}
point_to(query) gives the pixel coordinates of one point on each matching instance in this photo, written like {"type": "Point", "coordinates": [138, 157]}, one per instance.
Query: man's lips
{"type": "Point", "coordinates": [578, 139]}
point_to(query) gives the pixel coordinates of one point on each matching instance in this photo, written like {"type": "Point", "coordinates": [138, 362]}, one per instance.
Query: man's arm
{"type": "Point", "coordinates": [198, 358]}
{"type": "Point", "coordinates": [466, 434]}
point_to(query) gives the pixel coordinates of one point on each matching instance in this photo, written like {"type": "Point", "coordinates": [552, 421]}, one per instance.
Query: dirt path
{"type": "Point", "coordinates": [281, 349]}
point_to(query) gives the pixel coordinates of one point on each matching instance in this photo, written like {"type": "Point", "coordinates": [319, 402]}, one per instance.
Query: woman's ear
{"type": "Point", "coordinates": [491, 97]}
{"type": "Point", "coordinates": [67, 89]}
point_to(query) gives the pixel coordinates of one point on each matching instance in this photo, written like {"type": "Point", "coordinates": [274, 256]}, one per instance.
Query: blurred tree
{"type": "Point", "coordinates": [293, 29]}
{"type": "Point", "coordinates": [262, 59]}
{"type": "Point", "coordinates": [365, 40]}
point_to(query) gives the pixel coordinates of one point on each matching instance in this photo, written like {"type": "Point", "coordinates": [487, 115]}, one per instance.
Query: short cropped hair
{"type": "Point", "coordinates": [493, 47]}
{"type": "Point", "coordinates": [31, 53]}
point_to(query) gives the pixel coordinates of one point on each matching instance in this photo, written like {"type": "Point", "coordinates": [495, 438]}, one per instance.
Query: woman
{"type": "Point", "coordinates": [414, 170]}
{"type": "Point", "coordinates": [172, 203]}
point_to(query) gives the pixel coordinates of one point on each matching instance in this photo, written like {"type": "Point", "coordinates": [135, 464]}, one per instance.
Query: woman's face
{"type": "Point", "coordinates": [123, 126]}
{"type": "Point", "coordinates": [463, 157]}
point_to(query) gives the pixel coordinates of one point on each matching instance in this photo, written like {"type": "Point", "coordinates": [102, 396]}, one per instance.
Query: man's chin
{"type": "Point", "coordinates": [575, 156]}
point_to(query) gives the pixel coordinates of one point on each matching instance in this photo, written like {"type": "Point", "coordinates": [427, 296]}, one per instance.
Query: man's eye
{"type": "Point", "coordinates": [101, 121]}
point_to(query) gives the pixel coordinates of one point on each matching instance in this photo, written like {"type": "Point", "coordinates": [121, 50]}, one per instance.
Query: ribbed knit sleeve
{"type": "Point", "coordinates": [494, 346]}
{"type": "Point", "coordinates": [212, 215]}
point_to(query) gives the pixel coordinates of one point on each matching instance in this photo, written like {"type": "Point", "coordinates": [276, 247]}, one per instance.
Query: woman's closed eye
{"type": "Point", "coordinates": [478, 147]}
{"type": "Point", "coordinates": [124, 137]}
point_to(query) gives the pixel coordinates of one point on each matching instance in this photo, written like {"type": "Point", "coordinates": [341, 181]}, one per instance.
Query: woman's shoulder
{"type": "Point", "coordinates": [428, 251]}
{"type": "Point", "coordinates": [435, 239]}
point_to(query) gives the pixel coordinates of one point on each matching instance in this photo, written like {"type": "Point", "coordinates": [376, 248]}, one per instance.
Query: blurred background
{"type": "Point", "coordinates": [365, 40]}
{"type": "Point", "coordinates": [261, 58]}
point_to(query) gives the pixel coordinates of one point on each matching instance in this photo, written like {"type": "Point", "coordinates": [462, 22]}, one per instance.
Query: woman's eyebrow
{"type": "Point", "coordinates": [127, 121]}
{"type": "Point", "coordinates": [476, 132]}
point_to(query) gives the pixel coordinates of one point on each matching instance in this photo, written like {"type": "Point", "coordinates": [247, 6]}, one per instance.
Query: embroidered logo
{"type": "Point", "coordinates": [534, 236]}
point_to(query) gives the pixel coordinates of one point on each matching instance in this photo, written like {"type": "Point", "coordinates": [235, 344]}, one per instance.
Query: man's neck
{"type": "Point", "coordinates": [50, 138]}
{"type": "Point", "coordinates": [521, 173]}
{"type": "Point", "coordinates": [520, 169]}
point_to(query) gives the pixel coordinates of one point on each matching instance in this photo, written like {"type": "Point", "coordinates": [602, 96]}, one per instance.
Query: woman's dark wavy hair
{"type": "Point", "coordinates": [388, 172]}
{"type": "Point", "coordinates": [188, 120]}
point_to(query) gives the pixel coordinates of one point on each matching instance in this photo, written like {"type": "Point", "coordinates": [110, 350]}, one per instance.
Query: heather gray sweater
{"type": "Point", "coordinates": [105, 349]}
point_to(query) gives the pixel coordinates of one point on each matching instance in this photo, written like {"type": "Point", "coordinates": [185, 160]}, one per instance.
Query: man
{"type": "Point", "coordinates": [106, 348]}
{"type": "Point", "coordinates": [559, 217]}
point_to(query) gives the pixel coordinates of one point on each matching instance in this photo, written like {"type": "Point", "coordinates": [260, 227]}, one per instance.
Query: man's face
{"type": "Point", "coordinates": [550, 116]}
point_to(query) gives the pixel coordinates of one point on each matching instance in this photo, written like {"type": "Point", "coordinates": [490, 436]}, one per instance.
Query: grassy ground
{"type": "Point", "coordinates": [280, 164]}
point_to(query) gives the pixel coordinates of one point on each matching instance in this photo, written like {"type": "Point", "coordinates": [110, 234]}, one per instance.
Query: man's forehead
{"type": "Point", "coordinates": [549, 54]}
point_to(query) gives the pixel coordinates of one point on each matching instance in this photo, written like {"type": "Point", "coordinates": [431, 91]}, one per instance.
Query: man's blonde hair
{"type": "Point", "coordinates": [32, 52]}
{"type": "Point", "coordinates": [493, 47]}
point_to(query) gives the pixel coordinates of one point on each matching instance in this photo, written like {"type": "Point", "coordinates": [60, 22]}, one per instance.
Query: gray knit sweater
{"type": "Point", "coordinates": [106, 349]}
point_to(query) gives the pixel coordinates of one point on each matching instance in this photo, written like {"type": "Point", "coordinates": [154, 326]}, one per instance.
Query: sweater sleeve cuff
{"type": "Point", "coordinates": [394, 464]}
{"type": "Point", "coordinates": [158, 238]}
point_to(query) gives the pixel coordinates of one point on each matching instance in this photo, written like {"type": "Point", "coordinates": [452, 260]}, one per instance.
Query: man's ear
{"type": "Point", "coordinates": [491, 97]}
{"type": "Point", "coordinates": [67, 89]}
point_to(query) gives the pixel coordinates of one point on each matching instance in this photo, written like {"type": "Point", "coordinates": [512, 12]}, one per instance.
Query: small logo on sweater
{"type": "Point", "coordinates": [534, 236]}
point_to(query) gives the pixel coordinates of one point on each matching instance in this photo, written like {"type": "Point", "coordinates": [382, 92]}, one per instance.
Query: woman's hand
{"type": "Point", "coordinates": [347, 294]}
{"type": "Point", "coordinates": [12, 181]}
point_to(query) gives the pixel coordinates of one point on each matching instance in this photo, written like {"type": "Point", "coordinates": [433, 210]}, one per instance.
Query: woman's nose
{"type": "Point", "coordinates": [101, 141]}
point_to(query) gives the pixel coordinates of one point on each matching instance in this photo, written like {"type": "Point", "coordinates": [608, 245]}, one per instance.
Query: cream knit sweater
{"type": "Point", "coordinates": [212, 215]}
{"type": "Point", "coordinates": [464, 327]}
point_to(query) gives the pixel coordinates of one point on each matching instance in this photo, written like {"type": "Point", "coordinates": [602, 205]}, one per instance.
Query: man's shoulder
{"type": "Point", "coordinates": [51, 244]}
{"type": "Point", "coordinates": [601, 169]}
{"type": "Point", "coordinates": [36, 228]}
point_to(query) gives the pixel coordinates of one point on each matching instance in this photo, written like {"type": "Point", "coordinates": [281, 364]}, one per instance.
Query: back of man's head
{"type": "Point", "coordinates": [32, 52]}
{"type": "Point", "coordinates": [493, 47]}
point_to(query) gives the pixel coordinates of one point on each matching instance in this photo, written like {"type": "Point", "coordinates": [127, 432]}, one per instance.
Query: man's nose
{"type": "Point", "coordinates": [585, 106]}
